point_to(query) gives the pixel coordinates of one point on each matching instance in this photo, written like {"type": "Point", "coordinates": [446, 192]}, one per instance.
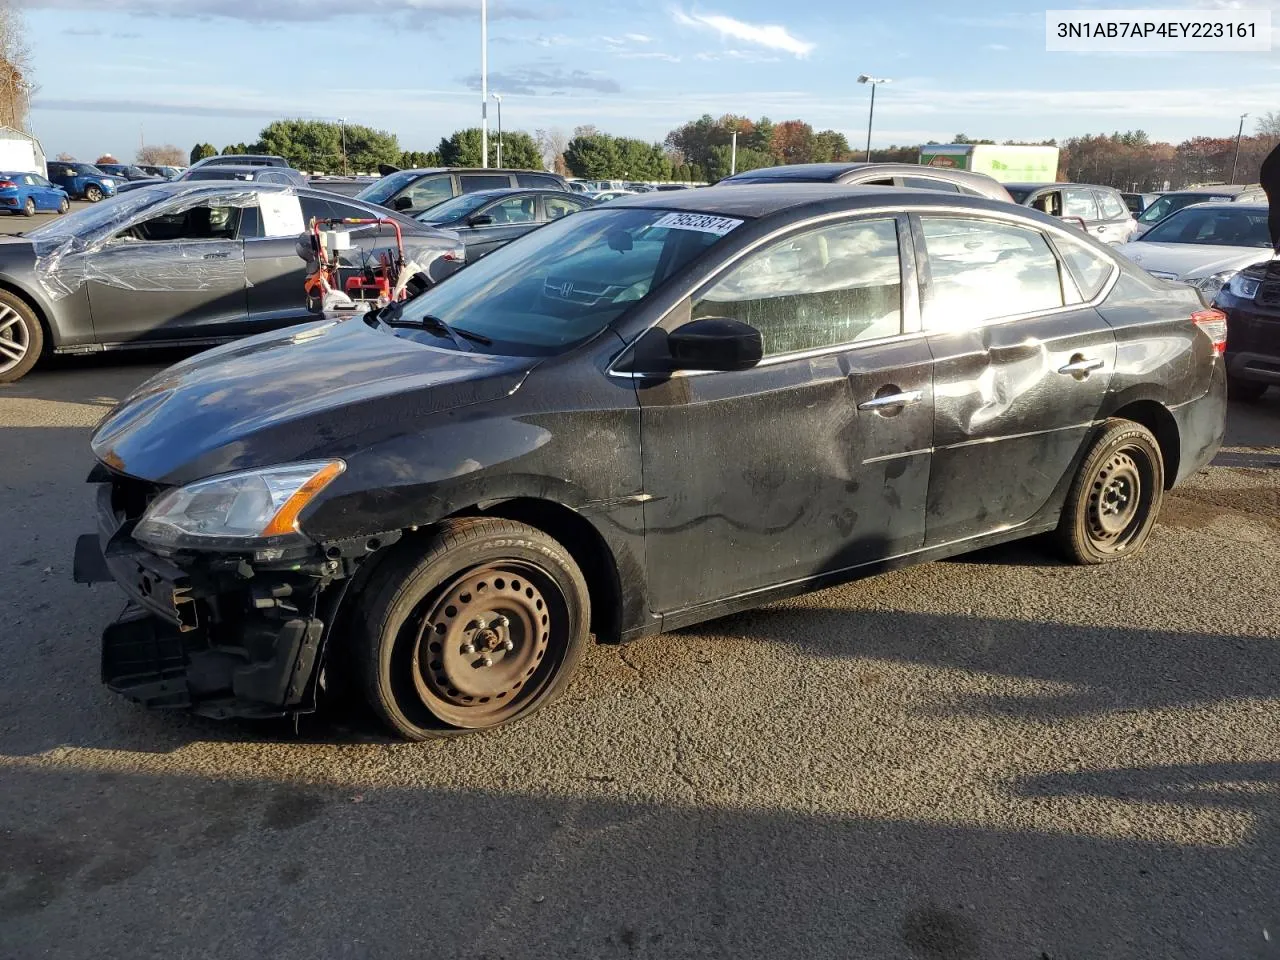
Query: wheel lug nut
{"type": "Point", "coordinates": [502, 622]}
{"type": "Point", "coordinates": [508, 644]}
{"type": "Point", "coordinates": [468, 648]}
{"type": "Point", "coordinates": [486, 661]}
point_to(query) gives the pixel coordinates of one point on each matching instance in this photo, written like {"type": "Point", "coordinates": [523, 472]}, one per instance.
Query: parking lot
{"type": "Point", "coordinates": [991, 757]}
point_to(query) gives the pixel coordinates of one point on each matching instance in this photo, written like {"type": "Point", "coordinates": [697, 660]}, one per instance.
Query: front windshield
{"type": "Point", "coordinates": [391, 184]}
{"type": "Point", "coordinates": [1213, 226]}
{"type": "Point", "coordinates": [455, 209]}
{"type": "Point", "coordinates": [564, 283]}
{"type": "Point", "coordinates": [102, 216]}
{"type": "Point", "coordinates": [1170, 202]}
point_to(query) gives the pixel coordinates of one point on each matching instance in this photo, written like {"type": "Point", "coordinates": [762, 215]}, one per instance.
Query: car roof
{"type": "Point", "coordinates": [493, 170]}
{"type": "Point", "coordinates": [765, 199]}
{"type": "Point", "coordinates": [1226, 189]}
{"type": "Point", "coordinates": [1022, 185]}
{"type": "Point", "coordinates": [1223, 205]}
{"type": "Point", "coordinates": [245, 168]}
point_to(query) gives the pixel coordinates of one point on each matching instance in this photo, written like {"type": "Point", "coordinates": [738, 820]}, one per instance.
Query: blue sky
{"type": "Point", "coordinates": [183, 71]}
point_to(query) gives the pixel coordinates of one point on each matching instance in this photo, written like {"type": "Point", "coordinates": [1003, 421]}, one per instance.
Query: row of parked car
{"type": "Point", "coordinates": [479, 210]}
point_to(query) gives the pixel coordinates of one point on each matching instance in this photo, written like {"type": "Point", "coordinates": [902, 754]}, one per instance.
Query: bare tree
{"type": "Point", "coordinates": [552, 143]}
{"type": "Point", "coordinates": [166, 155]}
{"type": "Point", "coordinates": [65, 157]}
{"type": "Point", "coordinates": [15, 67]}
{"type": "Point", "coordinates": [1268, 125]}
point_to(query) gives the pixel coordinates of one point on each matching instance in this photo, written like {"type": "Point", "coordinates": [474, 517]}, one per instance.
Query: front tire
{"type": "Point", "coordinates": [21, 338]}
{"type": "Point", "coordinates": [64, 205]}
{"type": "Point", "coordinates": [93, 193]}
{"type": "Point", "coordinates": [1116, 496]}
{"type": "Point", "coordinates": [481, 626]}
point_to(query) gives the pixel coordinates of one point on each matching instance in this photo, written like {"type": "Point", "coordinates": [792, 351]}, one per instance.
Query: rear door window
{"type": "Point", "coordinates": [928, 183]}
{"type": "Point", "coordinates": [981, 271]}
{"type": "Point", "coordinates": [1112, 206]}
{"type": "Point", "coordinates": [1079, 202]}
{"type": "Point", "coordinates": [471, 182]}
{"type": "Point", "coordinates": [540, 180]}
{"type": "Point", "coordinates": [426, 192]}
{"type": "Point", "coordinates": [558, 207]}
{"type": "Point", "coordinates": [1089, 268]}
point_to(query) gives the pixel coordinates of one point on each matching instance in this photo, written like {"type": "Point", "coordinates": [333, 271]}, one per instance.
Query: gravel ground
{"type": "Point", "coordinates": [991, 757]}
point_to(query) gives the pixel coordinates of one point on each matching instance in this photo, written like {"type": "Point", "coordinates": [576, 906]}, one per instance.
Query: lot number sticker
{"type": "Point", "coordinates": [281, 214]}
{"type": "Point", "coordinates": [699, 222]}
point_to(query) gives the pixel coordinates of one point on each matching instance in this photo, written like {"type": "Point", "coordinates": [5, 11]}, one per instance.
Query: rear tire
{"type": "Point", "coordinates": [1115, 498]}
{"type": "Point", "coordinates": [1245, 391]}
{"type": "Point", "coordinates": [93, 193]}
{"type": "Point", "coordinates": [29, 208]}
{"type": "Point", "coordinates": [21, 338]}
{"type": "Point", "coordinates": [482, 625]}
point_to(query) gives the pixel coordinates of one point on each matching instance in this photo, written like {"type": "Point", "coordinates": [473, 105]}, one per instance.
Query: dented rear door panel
{"type": "Point", "coordinates": [1009, 417]}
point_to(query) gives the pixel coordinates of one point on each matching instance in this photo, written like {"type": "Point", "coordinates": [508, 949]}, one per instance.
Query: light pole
{"type": "Point", "coordinates": [498, 98]}
{"type": "Point", "coordinates": [871, 116]}
{"type": "Point", "coordinates": [484, 83]}
{"type": "Point", "coordinates": [342, 125]}
{"type": "Point", "coordinates": [733, 155]}
{"type": "Point", "coordinates": [1236, 161]}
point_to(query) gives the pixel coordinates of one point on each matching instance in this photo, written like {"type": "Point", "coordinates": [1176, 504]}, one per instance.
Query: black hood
{"type": "Point", "coordinates": [321, 390]}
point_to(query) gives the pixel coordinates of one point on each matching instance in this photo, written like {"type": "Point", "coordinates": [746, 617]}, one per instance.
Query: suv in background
{"type": "Point", "coordinates": [82, 180]}
{"type": "Point", "coordinates": [125, 171]}
{"type": "Point", "coordinates": [1167, 203]}
{"type": "Point", "coordinates": [879, 175]}
{"type": "Point", "coordinates": [413, 191]}
{"type": "Point", "coordinates": [1100, 211]}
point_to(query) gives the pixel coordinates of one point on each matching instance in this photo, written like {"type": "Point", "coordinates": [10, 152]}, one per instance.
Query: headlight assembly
{"type": "Point", "coordinates": [1246, 288]}
{"type": "Point", "coordinates": [254, 509]}
{"type": "Point", "coordinates": [1211, 286]}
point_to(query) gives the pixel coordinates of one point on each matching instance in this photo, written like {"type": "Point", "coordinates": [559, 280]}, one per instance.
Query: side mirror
{"type": "Point", "coordinates": [480, 220]}
{"type": "Point", "coordinates": [401, 203]}
{"type": "Point", "coordinates": [715, 343]}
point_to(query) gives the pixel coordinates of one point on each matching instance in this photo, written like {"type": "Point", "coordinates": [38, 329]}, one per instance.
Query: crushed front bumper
{"type": "Point", "coordinates": [213, 635]}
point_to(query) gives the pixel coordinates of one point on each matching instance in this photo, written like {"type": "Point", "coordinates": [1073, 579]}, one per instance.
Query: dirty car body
{"type": "Point", "coordinates": [928, 375]}
{"type": "Point", "coordinates": [174, 263]}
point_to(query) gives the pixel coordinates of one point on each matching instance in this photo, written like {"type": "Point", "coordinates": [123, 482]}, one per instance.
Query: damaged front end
{"type": "Point", "coordinates": [217, 630]}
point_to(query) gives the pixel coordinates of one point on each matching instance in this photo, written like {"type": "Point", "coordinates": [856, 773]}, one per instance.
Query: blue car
{"type": "Point", "coordinates": [82, 180]}
{"type": "Point", "coordinates": [25, 193]}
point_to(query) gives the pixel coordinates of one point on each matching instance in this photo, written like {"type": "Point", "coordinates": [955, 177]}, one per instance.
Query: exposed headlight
{"type": "Point", "coordinates": [1246, 288]}
{"type": "Point", "coordinates": [1212, 286]}
{"type": "Point", "coordinates": [256, 509]}
{"type": "Point", "coordinates": [108, 183]}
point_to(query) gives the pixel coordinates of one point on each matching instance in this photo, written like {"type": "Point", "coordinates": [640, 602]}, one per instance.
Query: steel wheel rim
{"type": "Point", "coordinates": [1118, 496]}
{"type": "Point", "coordinates": [485, 643]}
{"type": "Point", "coordinates": [15, 339]}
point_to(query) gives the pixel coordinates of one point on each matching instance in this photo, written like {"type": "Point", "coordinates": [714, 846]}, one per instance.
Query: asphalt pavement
{"type": "Point", "coordinates": [992, 757]}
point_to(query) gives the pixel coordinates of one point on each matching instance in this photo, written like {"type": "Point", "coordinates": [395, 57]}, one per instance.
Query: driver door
{"type": "Point", "coordinates": [179, 275]}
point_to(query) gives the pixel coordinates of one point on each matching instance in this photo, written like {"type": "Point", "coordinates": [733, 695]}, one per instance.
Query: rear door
{"type": "Point", "coordinates": [1021, 368]}
{"type": "Point", "coordinates": [48, 197]}
{"type": "Point", "coordinates": [276, 272]}
{"type": "Point", "coordinates": [817, 459]}
{"type": "Point", "coordinates": [1116, 224]}
{"type": "Point", "coordinates": [179, 275]}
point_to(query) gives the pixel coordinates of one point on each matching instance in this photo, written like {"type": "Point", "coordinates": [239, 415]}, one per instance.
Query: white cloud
{"type": "Point", "coordinates": [996, 46]}
{"type": "Point", "coordinates": [638, 37]}
{"type": "Point", "coordinates": [746, 56]}
{"type": "Point", "coordinates": [771, 36]}
{"type": "Point", "coordinates": [648, 55]}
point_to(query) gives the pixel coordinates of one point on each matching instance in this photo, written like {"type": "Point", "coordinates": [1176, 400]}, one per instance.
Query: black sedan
{"type": "Point", "coordinates": [651, 413]}
{"type": "Point", "coordinates": [192, 263]}
{"type": "Point", "coordinates": [488, 219]}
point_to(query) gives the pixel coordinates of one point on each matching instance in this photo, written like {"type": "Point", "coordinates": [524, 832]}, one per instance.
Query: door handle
{"type": "Point", "coordinates": [1082, 366]}
{"type": "Point", "coordinates": [892, 400]}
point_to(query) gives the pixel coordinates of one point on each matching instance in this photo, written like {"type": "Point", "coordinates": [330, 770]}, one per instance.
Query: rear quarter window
{"type": "Point", "coordinates": [1088, 268]}
{"type": "Point", "coordinates": [472, 182]}
{"type": "Point", "coordinates": [537, 180]}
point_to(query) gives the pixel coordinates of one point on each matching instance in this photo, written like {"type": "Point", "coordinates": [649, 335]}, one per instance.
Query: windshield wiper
{"type": "Point", "coordinates": [390, 315]}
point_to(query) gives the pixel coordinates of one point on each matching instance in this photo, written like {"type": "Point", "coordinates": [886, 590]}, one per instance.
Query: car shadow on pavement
{"type": "Point", "coordinates": [165, 865]}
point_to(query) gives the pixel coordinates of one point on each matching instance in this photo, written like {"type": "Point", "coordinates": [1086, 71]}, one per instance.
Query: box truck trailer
{"type": "Point", "coordinates": [1008, 164]}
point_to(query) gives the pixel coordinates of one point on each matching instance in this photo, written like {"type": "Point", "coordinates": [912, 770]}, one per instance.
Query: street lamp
{"type": "Point", "coordinates": [1236, 161]}
{"type": "Point", "coordinates": [484, 83]}
{"type": "Point", "coordinates": [498, 97]}
{"type": "Point", "coordinates": [342, 125]}
{"type": "Point", "coordinates": [863, 78]}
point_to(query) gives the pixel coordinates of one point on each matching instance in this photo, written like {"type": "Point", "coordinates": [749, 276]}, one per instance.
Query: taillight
{"type": "Point", "coordinates": [458, 255]}
{"type": "Point", "coordinates": [6, 184]}
{"type": "Point", "coordinates": [1214, 323]}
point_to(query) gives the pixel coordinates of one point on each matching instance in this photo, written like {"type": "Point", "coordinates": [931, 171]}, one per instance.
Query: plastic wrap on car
{"type": "Point", "coordinates": [65, 262]}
